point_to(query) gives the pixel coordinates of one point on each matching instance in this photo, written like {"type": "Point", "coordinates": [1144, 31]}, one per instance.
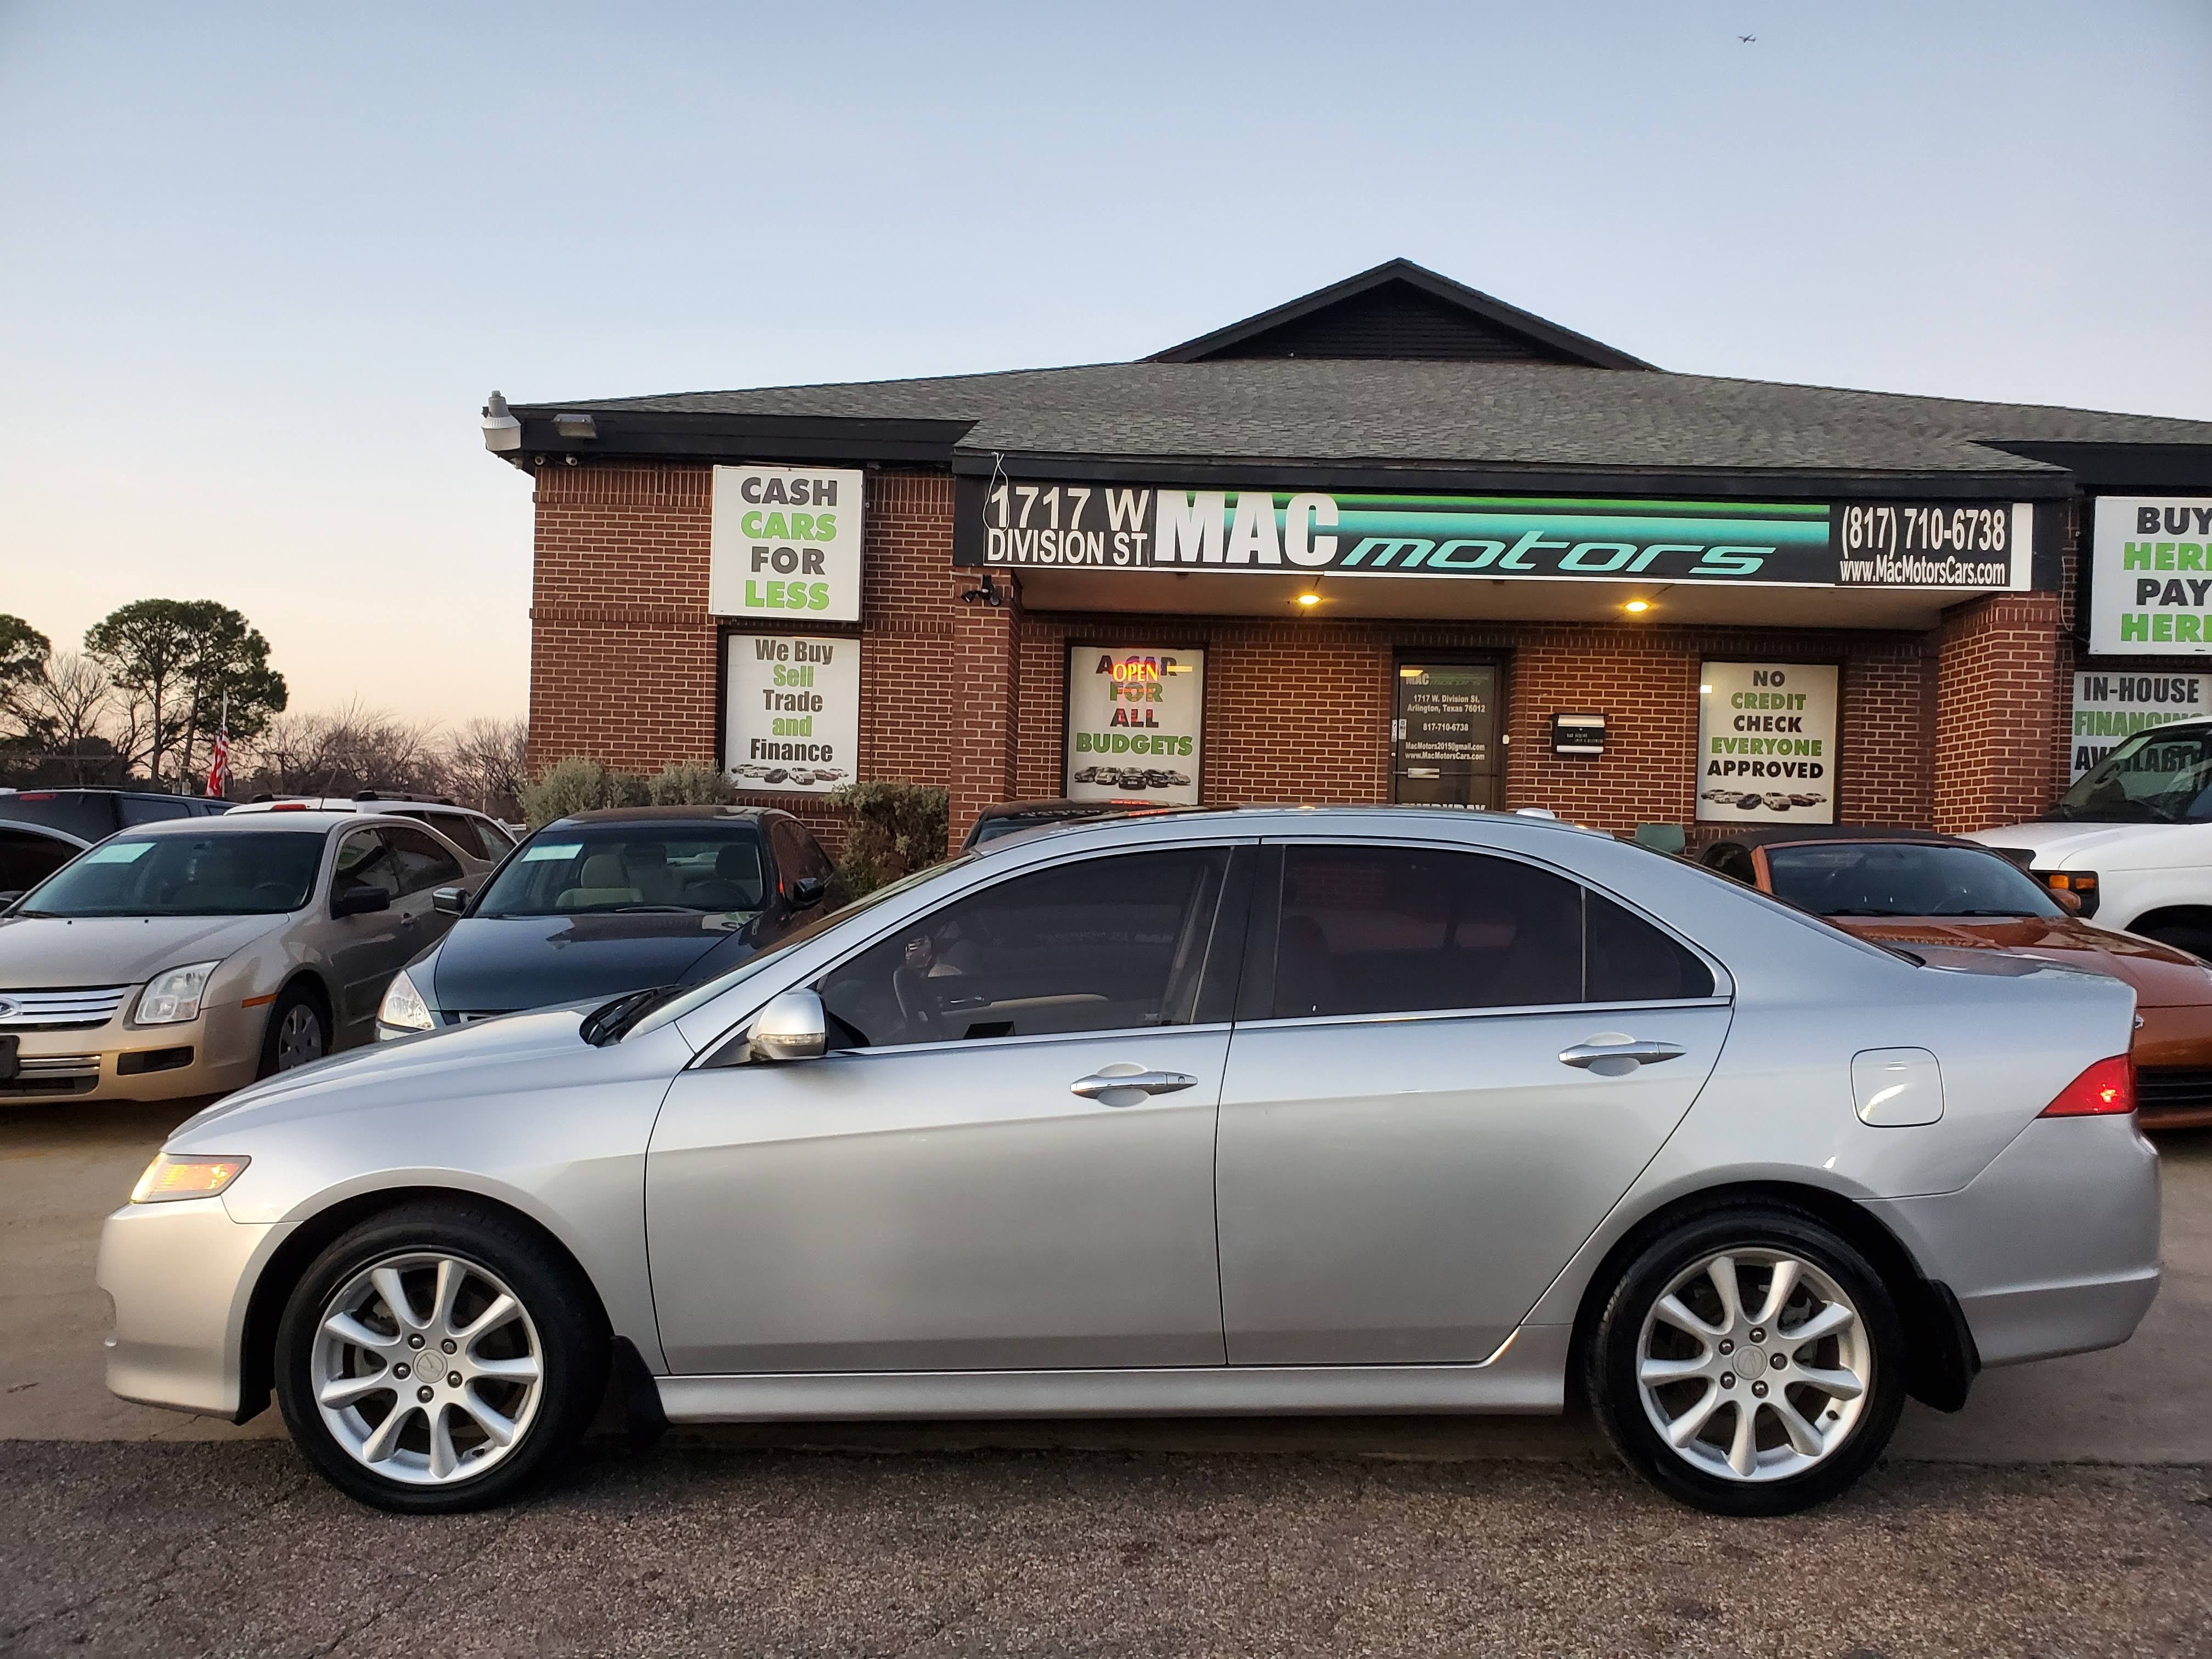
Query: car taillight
{"type": "Point", "coordinates": [2107, 1086]}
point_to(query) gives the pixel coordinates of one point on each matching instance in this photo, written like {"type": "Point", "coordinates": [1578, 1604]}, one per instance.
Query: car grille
{"type": "Point", "coordinates": [2174, 1088]}
{"type": "Point", "coordinates": [53, 1074]}
{"type": "Point", "coordinates": [470, 1015]}
{"type": "Point", "coordinates": [77, 1009]}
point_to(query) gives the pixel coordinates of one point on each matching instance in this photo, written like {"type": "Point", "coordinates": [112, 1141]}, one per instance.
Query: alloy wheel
{"type": "Point", "coordinates": [298, 1037]}
{"type": "Point", "coordinates": [427, 1368]}
{"type": "Point", "coordinates": [1754, 1365]}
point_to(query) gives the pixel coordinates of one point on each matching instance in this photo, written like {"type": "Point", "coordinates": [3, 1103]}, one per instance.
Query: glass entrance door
{"type": "Point", "coordinates": [1444, 748]}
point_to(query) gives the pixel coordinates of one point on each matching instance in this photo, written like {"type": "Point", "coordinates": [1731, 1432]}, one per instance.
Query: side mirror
{"type": "Point", "coordinates": [791, 1027]}
{"type": "Point", "coordinates": [449, 901]}
{"type": "Point", "coordinates": [807, 889]}
{"type": "Point", "coordinates": [2070, 903]}
{"type": "Point", "coordinates": [359, 900]}
{"type": "Point", "coordinates": [7, 899]}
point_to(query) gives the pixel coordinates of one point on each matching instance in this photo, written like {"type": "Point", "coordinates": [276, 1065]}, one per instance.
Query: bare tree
{"type": "Point", "coordinates": [342, 753]}
{"type": "Point", "coordinates": [67, 709]}
{"type": "Point", "coordinates": [487, 763]}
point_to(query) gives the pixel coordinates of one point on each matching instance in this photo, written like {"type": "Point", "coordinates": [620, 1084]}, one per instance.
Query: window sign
{"type": "Point", "coordinates": [1767, 742]}
{"type": "Point", "coordinates": [785, 544]}
{"type": "Point", "coordinates": [2109, 707]}
{"type": "Point", "coordinates": [793, 717]}
{"type": "Point", "coordinates": [2150, 577]}
{"type": "Point", "coordinates": [1136, 722]}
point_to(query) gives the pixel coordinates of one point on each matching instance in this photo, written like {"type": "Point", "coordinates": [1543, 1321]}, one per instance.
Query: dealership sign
{"type": "Point", "coordinates": [1136, 723]}
{"type": "Point", "coordinates": [785, 544]}
{"type": "Point", "coordinates": [1880, 544]}
{"type": "Point", "coordinates": [1767, 742]}
{"type": "Point", "coordinates": [2110, 706]}
{"type": "Point", "coordinates": [2150, 577]}
{"type": "Point", "coordinates": [791, 716]}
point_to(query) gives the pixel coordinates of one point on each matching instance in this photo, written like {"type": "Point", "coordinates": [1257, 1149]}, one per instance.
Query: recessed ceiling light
{"type": "Point", "coordinates": [1636, 607]}
{"type": "Point", "coordinates": [1308, 598]}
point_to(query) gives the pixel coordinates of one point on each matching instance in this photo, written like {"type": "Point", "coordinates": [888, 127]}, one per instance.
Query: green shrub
{"type": "Point", "coordinates": [690, 783]}
{"type": "Point", "coordinates": [579, 785]}
{"type": "Point", "coordinates": [897, 827]}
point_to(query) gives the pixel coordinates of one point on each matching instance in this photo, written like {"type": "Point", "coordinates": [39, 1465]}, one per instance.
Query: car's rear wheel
{"type": "Point", "coordinates": [439, 1359]}
{"type": "Point", "coordinates": [299, 1031]}
{"type": "Point", "coordinates": [1747, 1362]}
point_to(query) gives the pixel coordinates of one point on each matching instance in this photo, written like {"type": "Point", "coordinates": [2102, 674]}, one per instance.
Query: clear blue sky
{"type": "Point", "coordinates": [260, 264]}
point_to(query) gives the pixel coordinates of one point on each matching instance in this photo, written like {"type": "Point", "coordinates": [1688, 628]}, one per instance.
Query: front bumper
{"type": "Point", "coordinates": [2052, 1249]}
{"type": "Point", "coordinates": [222, 1048]}
{"type": "Point", "coordinates": [180, 1275]}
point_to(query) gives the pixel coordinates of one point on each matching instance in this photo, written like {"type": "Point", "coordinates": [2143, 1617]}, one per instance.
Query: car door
{"type": "Point", "coordinates": [425, 864]}
{"type": "Point", "coordinates": [963, 1183]}
{"type": "Point", "coordinates": [365, 951]}
{"type": "Point", "coordinates": [1420, 1120]}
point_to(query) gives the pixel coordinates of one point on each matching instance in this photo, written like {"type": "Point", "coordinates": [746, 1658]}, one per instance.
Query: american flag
{"type": "Point", "coordinates": [219, 757]}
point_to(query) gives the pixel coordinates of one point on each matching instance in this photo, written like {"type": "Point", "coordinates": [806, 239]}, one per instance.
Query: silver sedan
{"type": "Point", "coordinates": [1268, 1111]}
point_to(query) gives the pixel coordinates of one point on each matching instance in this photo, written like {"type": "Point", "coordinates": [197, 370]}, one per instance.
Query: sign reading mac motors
{"type": "Point", "coordinates": [1060, 526]}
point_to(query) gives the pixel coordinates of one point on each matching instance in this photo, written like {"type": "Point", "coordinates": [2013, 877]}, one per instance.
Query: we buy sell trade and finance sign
{"type": "Point", "coordinates": [1060, 526]}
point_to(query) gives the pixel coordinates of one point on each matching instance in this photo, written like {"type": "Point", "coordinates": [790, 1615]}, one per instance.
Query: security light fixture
{"type": "Point", "coordinates": [501, 431]}
{"type": "Point", "coordinates": [574, 425]}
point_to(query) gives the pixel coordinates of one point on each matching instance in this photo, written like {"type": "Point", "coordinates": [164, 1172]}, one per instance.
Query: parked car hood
{"type": "Point", "coordinates": [494, 964]}
{"type": "Point", "coordinates": [2163, 976]}
{"type": "Point", "coordinates": [2058, 845]}
{"type": "Point", "coordinates": [37, 952]}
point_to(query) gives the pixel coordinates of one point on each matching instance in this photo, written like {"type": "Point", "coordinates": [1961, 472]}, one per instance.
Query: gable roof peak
{"type": "Point", "coordinates": [1400, 310]}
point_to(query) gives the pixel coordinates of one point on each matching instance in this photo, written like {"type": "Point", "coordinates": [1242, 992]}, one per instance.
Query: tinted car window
{"type": "Point", "coordinates": [262, 873]}
{"type": "Point", "coordinates": [28, 858]}
{"type": "Point", "coordinates": [496, 842]}
{"type": "Point", "coordinates": [711, 868]}
{"type": "Point", "coordinates": [365, 860]}
{"type": "Point", "coordinates": [1373, 930]}
{"type": "Point", "coordinates": [1903, 878]}
{"type": "Point", "coordinates": [1102, 945]}
{"type": "Point", "coordinates": [421, 862]}
{"type": "Point", "coordinates": [85, 814]}
{"type": "Point", "coordinates": [1734, 862]}
{"type": "Point", "coordinates": [1626, 959]}
{"type": "Point", "coordinates": [152, 809]}
{"type": "Point", "coordinates": [1383, 930]}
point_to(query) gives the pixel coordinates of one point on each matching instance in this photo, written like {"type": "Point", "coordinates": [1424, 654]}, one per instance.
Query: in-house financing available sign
{"type": "Point", "coordinates": [792, 719]}
{"type": "Point", "coordinates": [1136, 720]}
{"type": "Point", "coordinates": [785, 544]}
{"type": "Point", "coordinates": [2150, 577]}
{"type": "Point", "coordinates": [1886, 544]}
{"type": "Point", "coordinates": [1767, 742]}
{"type": "Point", "coordinates": [2109, 707]}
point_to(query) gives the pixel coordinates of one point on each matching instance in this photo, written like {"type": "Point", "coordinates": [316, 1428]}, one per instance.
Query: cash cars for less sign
{"type": "Point", "coordinates": [2150, 577]}
{"type": "Point", "coordinates": [1136, 718]}
{"type": "Point", "coordinates": [1767, 742]}
{"type": "Point", "coordinates": [2110, 706]}
{"type": "Point", "coordinates": [793, 717]}
{"type": "Point", "coordinates": [785, 543]}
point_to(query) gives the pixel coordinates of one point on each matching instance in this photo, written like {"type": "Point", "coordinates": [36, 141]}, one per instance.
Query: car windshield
{"type": "Point", "coordinates": [2157, 776]}
{"type": "Point", "coordinates": [700, 995]}
{"type": "Point", "coordinates": [614, 868]}
{"type": "Point", "coordinates": [256, 872]}
{"type": "Point", "coordinates": [1903, 878]}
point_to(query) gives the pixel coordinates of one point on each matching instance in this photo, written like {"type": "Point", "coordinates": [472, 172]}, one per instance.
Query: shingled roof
{"type": "Point", "coordinates": [1496, 389]}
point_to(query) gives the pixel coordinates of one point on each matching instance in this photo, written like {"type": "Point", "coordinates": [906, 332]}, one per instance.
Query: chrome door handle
{"type": "Point", "coordinates": [1149, 1083]}
{"type": "Point", "coordinates": [1587, 1054]}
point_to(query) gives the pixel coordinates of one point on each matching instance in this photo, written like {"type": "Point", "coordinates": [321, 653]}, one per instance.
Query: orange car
{"type": "Point", "coordinates": [1907, 887]}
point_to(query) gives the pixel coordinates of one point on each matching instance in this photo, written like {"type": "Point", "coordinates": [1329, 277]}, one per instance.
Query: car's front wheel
{"type": "Point", "coordinates": [1747, 1362]}
{"type": "Point", "coordinates": [438, 1358]}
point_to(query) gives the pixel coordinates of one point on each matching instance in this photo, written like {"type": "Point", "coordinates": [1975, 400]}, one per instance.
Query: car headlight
{"type": "Point", "coordinates": [402, 1008]}
{"type": "Point", "coordinates": [168, 1178]}
{"type": "Point", "coordinates": [172, 998]}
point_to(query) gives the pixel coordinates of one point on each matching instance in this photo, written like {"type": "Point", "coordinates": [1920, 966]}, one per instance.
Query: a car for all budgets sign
{"type": "Point", "coordinates": [792, 717]}
{"type": "Point", "coordinates": [1136, 723]}
{"type": "Point", "coordinates": [784, 545]}
{"type": "Point", "coordinates": [2150, 577]}
{"type": "Point", "coordinates": [1767, 742]}
{"type": "Point", "coordinates": [1047, 525]}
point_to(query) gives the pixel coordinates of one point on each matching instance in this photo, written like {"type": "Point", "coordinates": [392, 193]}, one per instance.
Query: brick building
{"type": "Point", "coordinates": [1394, 540]}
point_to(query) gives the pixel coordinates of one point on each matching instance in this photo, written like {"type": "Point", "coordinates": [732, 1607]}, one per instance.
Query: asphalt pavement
{"type": "Point", "coordinates": [2067, 1509]}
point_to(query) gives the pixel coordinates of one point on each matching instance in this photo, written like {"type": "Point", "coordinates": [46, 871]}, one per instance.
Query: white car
{"type": "Point", "coordinates": [2132, 841]}
{"type": "Point", "coordinates": [478, 834]}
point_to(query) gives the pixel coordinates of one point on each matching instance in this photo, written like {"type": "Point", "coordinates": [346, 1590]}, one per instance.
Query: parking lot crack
{"type": "Point", "coordinates": [492, 1535]}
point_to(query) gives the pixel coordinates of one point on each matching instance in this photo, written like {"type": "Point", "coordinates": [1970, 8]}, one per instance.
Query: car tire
{"type": "Point", "coordinates": [508, 1399]}
{"type": "Point", "coordinates": [1674, 1372]}
{"type": "Point", "coordinates": [298, 1022]}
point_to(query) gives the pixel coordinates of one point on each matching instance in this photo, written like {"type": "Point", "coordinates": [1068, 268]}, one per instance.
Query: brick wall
{"type": "Point", "coordinates": [971, 697]}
